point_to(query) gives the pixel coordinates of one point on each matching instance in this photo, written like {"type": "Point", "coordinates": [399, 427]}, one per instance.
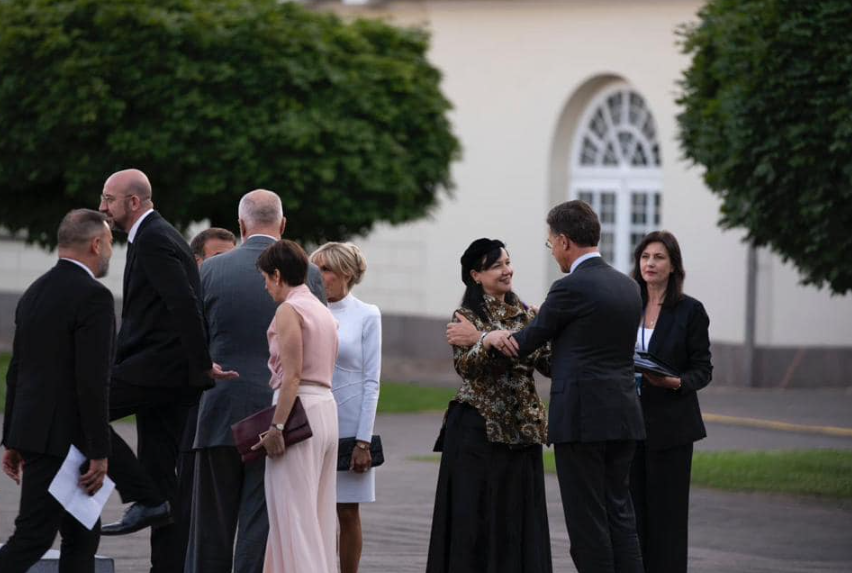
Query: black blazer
{"type": "Point", "coordinates": [57, 386]}
{"type": "Point", "coordinates": [681, 339]}
{"type": "Point", "coordinates": [592, 316]}
{"type": "Point", "coordinates": [162, 341]}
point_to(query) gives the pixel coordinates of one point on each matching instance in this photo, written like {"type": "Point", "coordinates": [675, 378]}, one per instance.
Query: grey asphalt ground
{"type": "Point", "coordinates": [731, 532]}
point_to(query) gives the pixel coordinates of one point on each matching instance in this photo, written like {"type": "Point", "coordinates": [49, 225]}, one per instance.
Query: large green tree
{"type": "Point", "coordinates": [213, 98]}
{"type": "Point", "coordinates": [768, 113]}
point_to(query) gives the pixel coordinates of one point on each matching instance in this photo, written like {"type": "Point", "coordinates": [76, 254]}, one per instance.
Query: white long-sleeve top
{"type": "Point", "coordinates": [359, 363]}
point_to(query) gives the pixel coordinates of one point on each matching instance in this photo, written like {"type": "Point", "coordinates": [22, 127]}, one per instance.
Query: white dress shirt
{"type": "Point", "coordinates": [79, 264]}
{"type": "Point", "coordinates": [262, 235]}
{"type": "Point", "coordinates": [582, 259]}
{"type": "Point", "coordinates": [135, 228]}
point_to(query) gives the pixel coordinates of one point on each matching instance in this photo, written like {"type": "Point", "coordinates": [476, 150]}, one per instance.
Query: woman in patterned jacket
{"type": "Point", "coordinates": [490, 512]}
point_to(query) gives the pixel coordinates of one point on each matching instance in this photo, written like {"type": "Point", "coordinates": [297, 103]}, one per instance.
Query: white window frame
{"type": "Point", "coordinates": [624, 179]}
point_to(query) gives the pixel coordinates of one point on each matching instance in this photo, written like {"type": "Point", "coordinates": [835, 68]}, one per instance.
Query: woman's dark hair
{"type": "Point", "coordinates": [674, 290]}
{"type": "Point", "coordinates": [286, 257]}
{"type": "Point", "coordinates": [479, 256]}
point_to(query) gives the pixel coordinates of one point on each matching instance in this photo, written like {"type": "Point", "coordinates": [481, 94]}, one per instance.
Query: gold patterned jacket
{"type": "Point", "coordinates": [502, 389]}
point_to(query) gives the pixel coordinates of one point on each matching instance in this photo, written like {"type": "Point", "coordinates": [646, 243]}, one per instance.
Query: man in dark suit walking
{"type": "Point", "coordinates": [162, 364]}
{"type": "Point", "coordinates": [57, 393]}
{"type": "Point", "coordinates": [228, 496]}
{"type": "Point", "coordinates": [591, 316]}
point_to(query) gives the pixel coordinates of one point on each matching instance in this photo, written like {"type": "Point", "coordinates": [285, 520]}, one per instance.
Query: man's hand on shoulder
{"type": "Point", "coordinates": [13, 465]}
{"type": "Point", "coordinates": [462, 333]}
{"type": "Point", "coordinates": [216, 373]}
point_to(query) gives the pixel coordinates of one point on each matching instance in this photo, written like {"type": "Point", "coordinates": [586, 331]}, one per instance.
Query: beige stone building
{"type": "Point", "coordinates": [556, 100]}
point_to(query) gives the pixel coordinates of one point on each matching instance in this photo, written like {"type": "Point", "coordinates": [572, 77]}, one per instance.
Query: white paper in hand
{"type": "Point", "coordinates": [65, 487]}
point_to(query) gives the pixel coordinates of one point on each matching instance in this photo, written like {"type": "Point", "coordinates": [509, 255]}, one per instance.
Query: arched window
{"type": "Point", "coordinates": [615, 167]}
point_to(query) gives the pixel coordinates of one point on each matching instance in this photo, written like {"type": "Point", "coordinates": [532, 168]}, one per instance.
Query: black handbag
{"type": "Point", "coordinates": [344, 453]}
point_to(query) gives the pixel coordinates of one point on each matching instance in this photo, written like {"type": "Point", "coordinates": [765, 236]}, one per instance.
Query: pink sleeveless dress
{"type": "Point", "coordinates": [301, 485]}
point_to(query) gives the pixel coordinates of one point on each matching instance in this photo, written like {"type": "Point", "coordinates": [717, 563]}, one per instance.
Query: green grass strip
{"type": "Point", "coordinates": [396, 398]}
{"type": "Point", "coordinates": [821, 473]}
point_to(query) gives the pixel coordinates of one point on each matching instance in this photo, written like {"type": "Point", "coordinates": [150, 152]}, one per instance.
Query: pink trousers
{"type": "Point", "coordinates": [301, 493]}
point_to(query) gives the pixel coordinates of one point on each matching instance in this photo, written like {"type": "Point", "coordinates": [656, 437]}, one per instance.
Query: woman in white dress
{"type": "Point", "coordinates": [355, 386]}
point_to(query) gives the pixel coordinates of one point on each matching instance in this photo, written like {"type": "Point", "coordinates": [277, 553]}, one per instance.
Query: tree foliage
{"type": "Point", "coordinates": [213, 98]}
{"type": "Point", "coordinates": [768, 112]}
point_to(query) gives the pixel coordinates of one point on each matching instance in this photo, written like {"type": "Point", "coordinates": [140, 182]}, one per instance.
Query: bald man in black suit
{"type": "Point", "coordinates": [162, 363]}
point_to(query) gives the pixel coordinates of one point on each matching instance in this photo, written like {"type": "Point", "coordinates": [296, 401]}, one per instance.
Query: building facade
{"type": "Point", "coordinates": [556, 100]}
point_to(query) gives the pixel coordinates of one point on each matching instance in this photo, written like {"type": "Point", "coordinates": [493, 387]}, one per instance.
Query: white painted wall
{"type": "Point", "coordinates": [790, 314]}
{"type": "Point", "coordinates": [510, 68]}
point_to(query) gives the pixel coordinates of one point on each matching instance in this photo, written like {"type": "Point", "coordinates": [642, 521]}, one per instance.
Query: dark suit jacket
{"type": "Point", "coordinates": [592, 316]}
{"type": "Point", "coordinates": [681, 340]}
{"type": "Point", "coordinates": [58, 380]}
{"type": "Point", "coordinates": [162, 340]}
{"type": "Point", "coordinates": [238, 311]}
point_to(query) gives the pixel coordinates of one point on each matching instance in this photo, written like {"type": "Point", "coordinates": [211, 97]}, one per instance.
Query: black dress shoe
{"type": "Point", "coordinates": [138, 517]}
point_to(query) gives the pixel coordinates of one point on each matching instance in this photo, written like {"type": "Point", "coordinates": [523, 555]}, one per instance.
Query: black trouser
{"type": "Point", "coordinates": [131, 480]}
{"type": "Point", "coordinates": [186, 475]}
{"type": "Point", "coordinates": [228, 502]}
{"type": "Point", "coordinates": [593, 481]}
{"type": "Point", "coordinates": [161, 415]}
{"type": "Point", "coordinates": [659, 484]}
{"type": "Point", "coordinates": [40, 517]}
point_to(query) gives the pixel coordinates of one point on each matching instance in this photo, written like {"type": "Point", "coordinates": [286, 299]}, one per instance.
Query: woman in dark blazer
{"type": "Point", "coordinates": [674, 329]}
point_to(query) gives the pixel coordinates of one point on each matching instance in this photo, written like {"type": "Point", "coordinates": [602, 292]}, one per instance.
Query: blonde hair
{"type": "Point", "coordinates": [344, 259]}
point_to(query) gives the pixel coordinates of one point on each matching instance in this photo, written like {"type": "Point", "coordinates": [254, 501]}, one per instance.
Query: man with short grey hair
{"type": "Point", "coordinates": [57, 393]}
{"type": "Point", "coordinates": [228, 496]}
{"type": "Point", "coordinates": [261, 207]}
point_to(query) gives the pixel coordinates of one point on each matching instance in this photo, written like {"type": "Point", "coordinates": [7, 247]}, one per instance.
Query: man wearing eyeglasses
{"type": "Point", "coordinates": [162, 363]}
{"type": "Point", "coordinates": [590, 316]}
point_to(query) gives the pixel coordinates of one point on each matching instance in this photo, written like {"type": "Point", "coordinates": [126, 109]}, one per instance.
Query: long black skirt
{"type": "Point", "coordinates": [490, 510]}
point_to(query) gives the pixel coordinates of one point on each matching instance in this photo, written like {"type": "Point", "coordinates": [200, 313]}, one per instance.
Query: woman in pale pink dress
{"type": "Point", "coordinates": [301, 480]}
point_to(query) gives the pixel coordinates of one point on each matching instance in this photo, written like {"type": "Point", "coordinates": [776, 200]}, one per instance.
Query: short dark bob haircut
{"type": "Point", "coordinates": [286, 257]}
{"type": "Point", "coordinates": [674, 290]}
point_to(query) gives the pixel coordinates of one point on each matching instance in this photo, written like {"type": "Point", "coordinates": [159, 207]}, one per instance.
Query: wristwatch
{"type": "Point", "coordinates": [279, 427]}
{"type": "Point", "coordinates": [361, 446]}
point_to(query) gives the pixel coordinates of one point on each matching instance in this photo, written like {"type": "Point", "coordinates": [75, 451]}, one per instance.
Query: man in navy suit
{"type": "Point", "coordinates": [162, 363]}
{"type": "Point", "coordinates": [591, 317]}
{"type": "Point", "coordinates": [57, 386]}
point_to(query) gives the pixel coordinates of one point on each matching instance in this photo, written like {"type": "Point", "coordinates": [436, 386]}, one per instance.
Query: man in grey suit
{"type": "Point", "coordinates": [228, 497]}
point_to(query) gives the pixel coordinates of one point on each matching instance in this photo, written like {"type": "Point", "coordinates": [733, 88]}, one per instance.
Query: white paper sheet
{"type": "Point", "coordinates": [65, 487]}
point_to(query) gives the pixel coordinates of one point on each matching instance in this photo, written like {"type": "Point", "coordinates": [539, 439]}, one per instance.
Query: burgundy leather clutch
{"type": "Point", "coordinates": [248, 430]}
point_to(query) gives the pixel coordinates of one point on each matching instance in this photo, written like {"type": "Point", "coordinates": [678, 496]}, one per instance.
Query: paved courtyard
{"type": "Point", "coordinates": [732, 532]}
